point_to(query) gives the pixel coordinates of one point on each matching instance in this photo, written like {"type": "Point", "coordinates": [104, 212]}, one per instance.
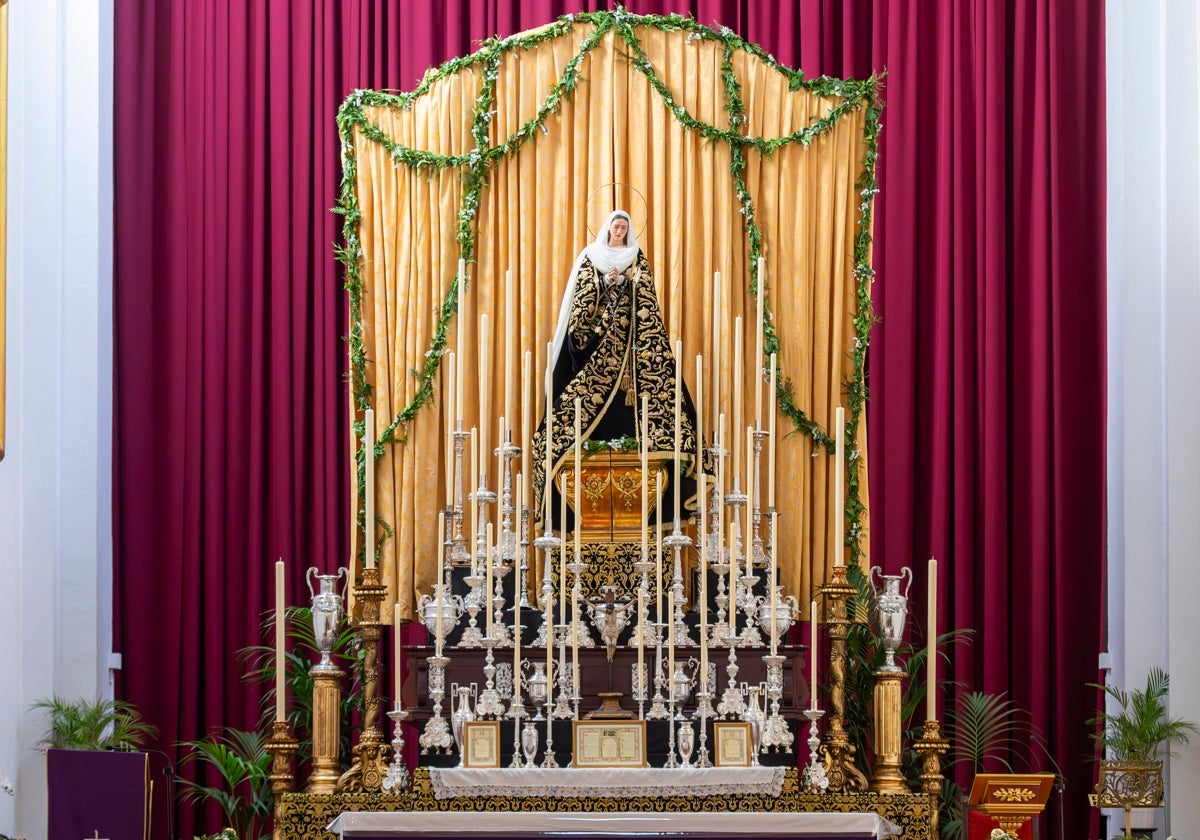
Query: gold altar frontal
{"type": "Point", "coordinates": [304, 816]}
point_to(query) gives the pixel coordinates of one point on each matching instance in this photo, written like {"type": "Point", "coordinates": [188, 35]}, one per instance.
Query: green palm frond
{"type": "Point", "coordinates": [987, 727]}
{"type": "Point", "coordinates": [1142, 729]}
{"type": "Point", "coordinates": [92, 725]}
{"type": "Point", "coordinates": [239, 759]}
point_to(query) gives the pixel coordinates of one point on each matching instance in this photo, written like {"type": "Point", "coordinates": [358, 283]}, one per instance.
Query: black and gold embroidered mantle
{"type": "Point", "coordinates": [616, 349]}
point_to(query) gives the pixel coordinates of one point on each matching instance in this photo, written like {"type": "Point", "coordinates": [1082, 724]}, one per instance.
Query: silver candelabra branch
{"type": "Point", "coordinates": [732, 704]}
{"type": "Point", "coordinates": [776, 734]}
{"type": "Point", "coordinates": [489, 704]}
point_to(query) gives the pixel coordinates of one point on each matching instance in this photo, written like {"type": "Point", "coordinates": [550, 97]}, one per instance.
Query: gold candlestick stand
{"type": "Point", "coordinates": [837, 753]}
{"type": "Point", "coordinates": [931, 747]}
{"type": "Point", "coordinates": [888, 740]}
{"type": "Point", "coordinates": [281, 746]}
{"type": "Point", "coordinates": [370, 754]}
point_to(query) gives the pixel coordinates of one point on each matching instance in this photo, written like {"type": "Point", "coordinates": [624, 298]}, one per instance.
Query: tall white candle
{"type": "Point", "coordinates": [758, 342]}
{"type": "Point", "coordinates": [931, 654]}
{"type": "Point", "coordinates": [562, 561]}
{"type": "Point", "coordinates": [451, 414]}
{"type": "Point", "coordinates": [510, 349]}
{"type": "Point", "coordinates": [485, 376]}
{"type": "Point", "coordinates": [812, 655]}
{"type": "Point", "coordinates": [751, 484]}
{"type": "Point", "coordinates": [703, 524]}
{"type": "Point", "coordinates": [280, 611]}
{"type": "Point", "coordinates": [771, 590]}
{"type": "Point", "coordinates": [738, 361]}
{"type": "Point", "coordinates": [499, 453]}
{"type": "Point", "coordinates": [396, 677]}
{"type": "Point", "coordinates": [547, 479]}
{"type": "Point", "coordinates": [369, 485]}
{"type": "Point", "coordinates": [474, 496]}
{"type": "Point", "coordinates": [517, 606]}
{"type": "Point", "coordinates": [578, 530]}
{"type": "Point", "coordinates": [526, 428]}
{"type": "Point", "coordinates": [839, 488]}
{"type": "Point", "coordinates": [645, 451]}
{"type": "Point", "coordinates": [460, 356]}
{"type": "Point", "coordinates": [658, 555]}
{"type": "Point", "coordinates": [678, 477]}
{"type": "Point", "coordinates": [715, 356]}
{"type": "Point", "coordinates": [440, 591]}
{"type": "Point", "coordinates": [487, 600]}
{"type": "Point", "coordinates": [772, 407]}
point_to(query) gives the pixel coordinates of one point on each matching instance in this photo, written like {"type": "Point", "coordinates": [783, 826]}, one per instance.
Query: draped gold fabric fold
{"type": "Point", "coordinates": [611, 142]}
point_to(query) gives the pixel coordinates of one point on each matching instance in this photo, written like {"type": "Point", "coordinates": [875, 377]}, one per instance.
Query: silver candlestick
{"type": "Point", "coordinates": [677, 541]}
{"type": "Point", "coordinates": [396, 778]}
{"type": "Point", "coordinates": [459, 554]}
{"type": "Point", "coordinates": [775, 730]}
{"type": "Point", "coordinates": [436, 734]}
{"type": "Point", "coordinates": [489, 704]}
{"type": "Point", "coordinates": [732, 704]}
{"type": "Point", "coordinates": [814, 777]}
{"type": "Point", "coordinates": [658, 709]}
{"type": "Point", "coordinates": [562, 708]}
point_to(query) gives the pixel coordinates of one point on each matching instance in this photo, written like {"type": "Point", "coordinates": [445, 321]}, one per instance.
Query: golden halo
{"type": "Point", "coordinates": [612, 196]}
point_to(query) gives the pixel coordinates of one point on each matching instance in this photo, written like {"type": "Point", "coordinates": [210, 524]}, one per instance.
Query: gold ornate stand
{"type": "Point", "coordinates": [931, 747]}
{"type": "Point", "coordinates": [837, 753]}
{"type": "Point", "coordinates": [887, 777]}
{"type": "Point", "coordinates": [327, 730]}
{"type": "Point", "coordinates": [281, 746]}
{"type": "Point", "coordinates": [370, 754]}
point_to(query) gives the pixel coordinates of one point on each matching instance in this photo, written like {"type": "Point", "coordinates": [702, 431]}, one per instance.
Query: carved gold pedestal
{"type": "Point", "coordinates": [837, 753]}
{"type": "Point", "coordinates": [887, 777]}
{"type": "Point", "coordinates": [931, 746]}
{"type": "Point", "coordinates": [327, 730]}
{"type": "Point", "coordinates": [370, 754]}
{"type": "Point", "coordinates": [281, 746]}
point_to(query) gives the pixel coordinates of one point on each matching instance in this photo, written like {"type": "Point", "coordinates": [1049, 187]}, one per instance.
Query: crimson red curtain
{"type": "Point", "coordinates": [986, 371]}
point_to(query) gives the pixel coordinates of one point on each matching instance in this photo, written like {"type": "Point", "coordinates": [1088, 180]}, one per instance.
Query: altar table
{"type": "Point", "coordinates": [377, 825]}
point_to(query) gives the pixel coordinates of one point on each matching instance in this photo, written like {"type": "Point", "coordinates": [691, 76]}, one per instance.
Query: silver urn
{"type": "Point", "coordinates": [891, 610]}
{"type": "Point", "coordinates": [327, 612]}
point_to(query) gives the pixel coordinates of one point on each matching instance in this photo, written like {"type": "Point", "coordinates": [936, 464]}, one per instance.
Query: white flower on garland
{"type": "Point", "coordinates": [7, 786]}
{"type": "Point", "coordinates": [1000, 834]}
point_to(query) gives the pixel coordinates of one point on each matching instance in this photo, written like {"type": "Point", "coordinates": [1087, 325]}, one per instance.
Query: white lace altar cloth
{"type": "Point", "coordinates": [619, 783]}
{"type": "Point", "coordinates": [460, 824]}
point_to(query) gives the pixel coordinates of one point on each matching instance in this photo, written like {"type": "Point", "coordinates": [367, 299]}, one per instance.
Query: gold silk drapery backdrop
{"type": "Point", "coordinates": [610, 141]}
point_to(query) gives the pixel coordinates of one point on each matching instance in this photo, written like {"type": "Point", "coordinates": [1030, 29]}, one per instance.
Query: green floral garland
{"type": "Point", "coordinates": [475, 169]}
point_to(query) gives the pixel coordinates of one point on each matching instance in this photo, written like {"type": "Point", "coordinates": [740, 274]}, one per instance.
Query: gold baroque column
{"type": "Point", "coordinates": [281, 746]}
{"type": "Point", "coordinates": [370, 754]}
{"type": "Point", "coordinates": [326, 730]}
{"type": "Point", "coordinates": [837, 753]}
{"type": "Point", "coordinates": [931, 746]}
{"type": "Point", "coordinates": [887, 736]}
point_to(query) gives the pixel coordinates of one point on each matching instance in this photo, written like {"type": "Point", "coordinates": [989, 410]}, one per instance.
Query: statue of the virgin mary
{"type": "Point", "coordinates": [610, 347]}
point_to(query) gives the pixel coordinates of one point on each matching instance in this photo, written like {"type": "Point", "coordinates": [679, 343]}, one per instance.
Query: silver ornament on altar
{"type": "Point", "coordinates": [327, 613]}
{"type": "Point", "coordinates": [538, 685]}
{"type": "Point", "coordinates": [451, 610]}
{"type": "Point", "coordinates": [786, 610]}
{"type": "Point", "coordinates": [610, 616]}
{"type": "Point", "coordinates": [462, 712]}
{"type": "Point", "coordinates": [891, 609]}
{"type": "Point", "coordinates": [687, 743]}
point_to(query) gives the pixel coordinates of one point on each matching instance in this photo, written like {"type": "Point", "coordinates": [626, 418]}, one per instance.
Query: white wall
{"type": "Point", "coordinates": [1153, 93]}
{"type": "Point", "coordinates": [55, 479]}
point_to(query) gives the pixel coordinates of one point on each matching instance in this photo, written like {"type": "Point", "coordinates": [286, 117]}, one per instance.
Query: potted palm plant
{"type": "Point", "coordinates": [1136, 735]}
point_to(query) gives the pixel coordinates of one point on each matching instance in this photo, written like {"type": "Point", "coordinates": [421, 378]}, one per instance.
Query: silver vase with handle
{"type": "Point", "coordinates": [891, 611]}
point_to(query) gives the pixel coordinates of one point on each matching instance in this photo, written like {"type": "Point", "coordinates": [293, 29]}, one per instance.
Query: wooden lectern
{"type": "Point", "coordinates": [1011, 799]}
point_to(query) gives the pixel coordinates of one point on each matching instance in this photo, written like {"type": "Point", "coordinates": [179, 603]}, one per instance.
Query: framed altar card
{"type": "Point", "coordinates": [609, 743]}
{"type": "Point", "coordinates": [481, 743]}
{"type": "Point", "coordinates": [732, 744]}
